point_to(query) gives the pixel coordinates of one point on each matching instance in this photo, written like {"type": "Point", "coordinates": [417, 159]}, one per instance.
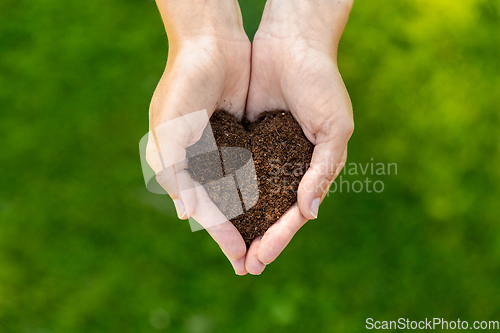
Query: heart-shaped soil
{"type": "Point", "coordinates": [280, 153]}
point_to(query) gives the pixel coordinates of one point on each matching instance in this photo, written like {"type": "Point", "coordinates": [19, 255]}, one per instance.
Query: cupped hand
{"type": "Point", "coordinates": [208, 68]}
{"type": "Point", "coordinates": [294, 68]}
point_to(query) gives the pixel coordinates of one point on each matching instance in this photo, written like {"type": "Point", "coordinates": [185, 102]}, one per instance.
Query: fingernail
{"type": "Point", "coordinates": [179, 207]}
{"type": "Point", "coordinates": [315, 207]}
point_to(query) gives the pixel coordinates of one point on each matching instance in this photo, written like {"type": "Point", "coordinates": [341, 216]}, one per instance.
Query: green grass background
{"type": "Point", "coordinates": [85, 248]}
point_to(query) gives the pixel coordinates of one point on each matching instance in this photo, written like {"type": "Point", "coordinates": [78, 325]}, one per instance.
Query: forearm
{"type": "Point", "coordinates": [201, 18]}
{"type": "Point", "coordinates": [318, 20]}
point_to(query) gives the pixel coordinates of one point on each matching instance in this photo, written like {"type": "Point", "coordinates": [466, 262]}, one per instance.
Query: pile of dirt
{"type": "Point", "coordinates": [281, 155]}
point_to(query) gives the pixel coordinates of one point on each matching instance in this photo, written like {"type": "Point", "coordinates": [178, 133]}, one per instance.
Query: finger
{"type": "Point", "coordinates": [228, 238]}
{"type": "Point", "coordinates": [238, 264]}
{"type": "Point", "coordinates": [187, 195]}
{"type": "Point", "coordinates": [166, 153]}
{"type": "Point", "coordinates": [252, 263]}
{"type": "Point", "coordinates": [222, 231]}
{"type": "Point", "coordinates": [167, 178]}
{"type": "Point", "coordinates": [180, 187]}
{"type": "Point", "coordinates": [325, 164]}
{"type": "Point", "coordinates": [279, 235]}
{"type": "Point", "coordinates": [342, 164]}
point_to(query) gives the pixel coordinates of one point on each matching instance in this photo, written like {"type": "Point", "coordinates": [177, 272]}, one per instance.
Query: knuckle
{"type": "Point", "coordinates": [324, 176]}
{"type": "Point", "coordinates": [350, 127]}
{"type": "Point", "coordinates": [347, 127]}
{"type": "Point", "coordinates": [328, 178]}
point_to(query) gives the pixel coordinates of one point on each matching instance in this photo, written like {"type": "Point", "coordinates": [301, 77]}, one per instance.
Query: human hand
{"type": "Point", "coordinates": [208, 67]}
{"type": "Point", "coordinates": [294, 67]}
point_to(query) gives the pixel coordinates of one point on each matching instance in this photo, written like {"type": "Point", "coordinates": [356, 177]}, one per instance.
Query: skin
{"type": "Point", "coordinates": [293, 66]}
{"type": "Point", "coordinates": [208, 68]}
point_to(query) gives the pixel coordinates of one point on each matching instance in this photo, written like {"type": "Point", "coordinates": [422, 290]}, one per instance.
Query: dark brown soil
{"type": "Point", "coordinates": [281, 155]}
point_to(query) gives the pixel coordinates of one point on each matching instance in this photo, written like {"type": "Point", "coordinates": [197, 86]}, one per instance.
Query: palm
{"type": "Point", "coordinates": [290, 74]}
{"type": "Point", "coordinates": [203, 75]}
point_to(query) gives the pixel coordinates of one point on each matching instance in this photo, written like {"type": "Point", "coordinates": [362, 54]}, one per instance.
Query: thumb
{"type": "Point", "coordinates": [166, 154]}
{"type": "Point", "coordinates": [327, 161]}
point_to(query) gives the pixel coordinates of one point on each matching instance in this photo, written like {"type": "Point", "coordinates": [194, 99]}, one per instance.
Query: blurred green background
{"type": "Point", "coordinates": [85, 248]}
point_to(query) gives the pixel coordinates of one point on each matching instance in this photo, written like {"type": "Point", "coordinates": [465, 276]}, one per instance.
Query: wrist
{"type": "Point", "coordinates": [194, 19]}
{"type": "Point", "coordinates": [319, 21]}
